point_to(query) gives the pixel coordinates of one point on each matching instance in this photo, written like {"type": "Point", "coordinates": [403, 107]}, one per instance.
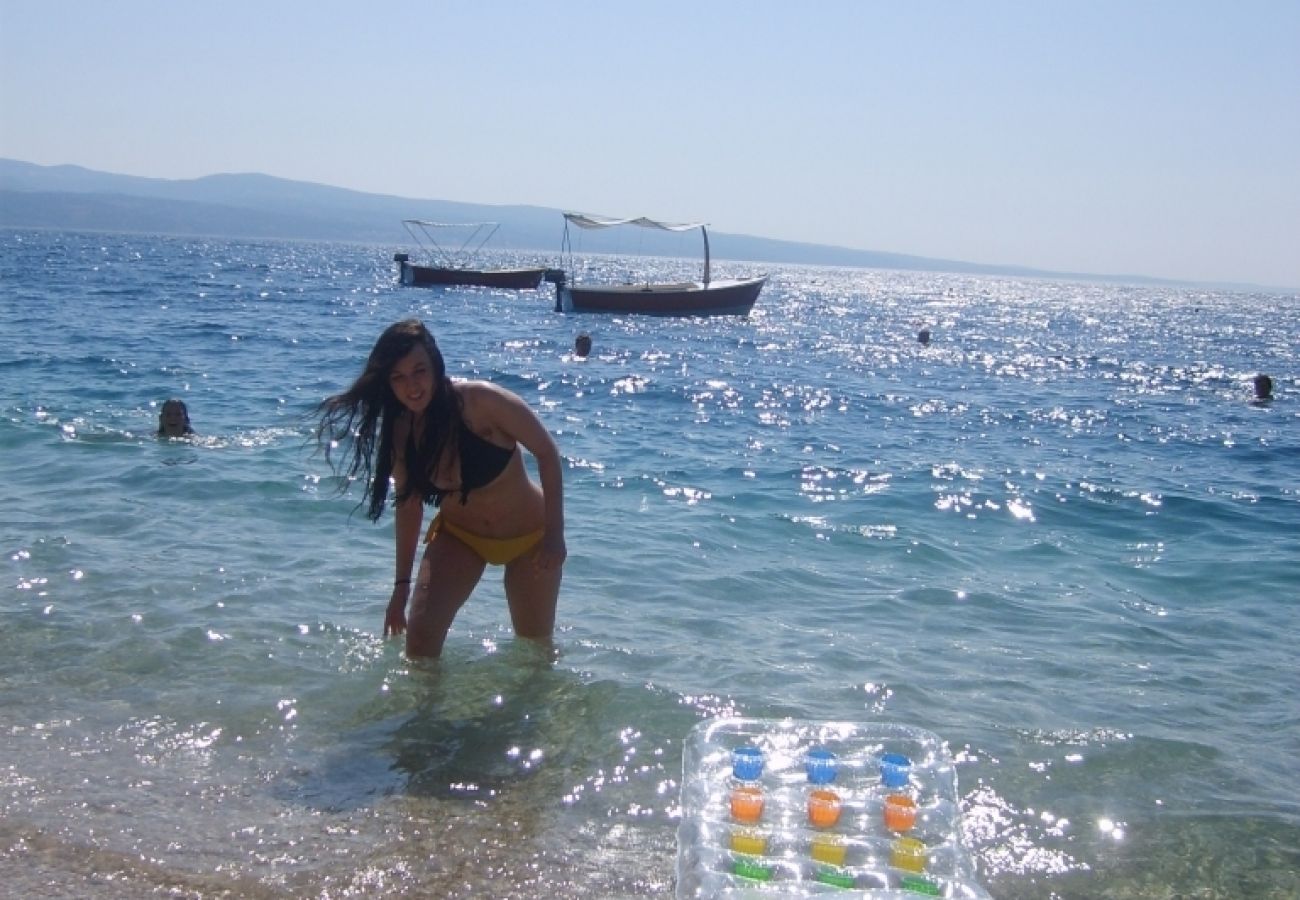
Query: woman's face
{"type": "Point", "coordinates": [411, 380]}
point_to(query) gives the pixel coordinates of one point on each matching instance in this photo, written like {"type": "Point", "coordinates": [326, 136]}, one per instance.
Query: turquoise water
{"type": "Point", "coordinates": [1061, 537]}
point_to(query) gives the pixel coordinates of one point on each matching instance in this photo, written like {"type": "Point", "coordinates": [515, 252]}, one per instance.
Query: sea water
{"type": "Point", "coordinates": [1059, 536]}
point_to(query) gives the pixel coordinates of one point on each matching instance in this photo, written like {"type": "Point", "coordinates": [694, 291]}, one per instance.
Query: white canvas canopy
{"type": "Point", "coordinates": [584, 220]}
{"type": "Point", "coordinates": [450, 224]}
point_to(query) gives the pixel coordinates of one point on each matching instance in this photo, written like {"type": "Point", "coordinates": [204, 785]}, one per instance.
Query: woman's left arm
{"type": "Point", "coordinates": [517, 419]}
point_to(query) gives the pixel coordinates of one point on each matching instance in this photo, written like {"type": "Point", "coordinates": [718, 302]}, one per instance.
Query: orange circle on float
{"type": "Point", "coordinates": [747, 804]}
{"type": "Point", "coordinates": [823, 808]}
{"type": "Point", "coordinates": [900, 812]}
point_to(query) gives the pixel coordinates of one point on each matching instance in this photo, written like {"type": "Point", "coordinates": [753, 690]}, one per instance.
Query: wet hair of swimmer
{"type": "Point", "coordinates": [1263, 387]}
{"type": "Point", "coordinates": [179, 428]}
{"type": "Point", "coordinates": [582, 345]}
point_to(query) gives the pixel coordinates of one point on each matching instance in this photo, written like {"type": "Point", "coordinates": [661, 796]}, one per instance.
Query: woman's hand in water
{"type": "Point", "coordinates": [551, 552]}
{"type": "Point", "coordinates": [395, 615]}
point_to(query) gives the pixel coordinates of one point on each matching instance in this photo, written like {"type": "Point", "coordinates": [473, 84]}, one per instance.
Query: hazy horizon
{"type": "Point", "coordinates": [1156, 140]}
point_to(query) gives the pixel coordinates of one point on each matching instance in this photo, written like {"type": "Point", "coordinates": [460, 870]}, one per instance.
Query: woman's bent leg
{"type": "Point", "coordinates": [532, 594]}
{"type": "Point", "coordinates": [448, 574]}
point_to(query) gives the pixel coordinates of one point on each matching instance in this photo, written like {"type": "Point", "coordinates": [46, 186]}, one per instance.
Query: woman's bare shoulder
{"type": "Point", "coordinates": [491, 410]}
{"type": "Point", "coordinates": [477, 387]}
{"type": "Point", "coordinates": [483, 396]}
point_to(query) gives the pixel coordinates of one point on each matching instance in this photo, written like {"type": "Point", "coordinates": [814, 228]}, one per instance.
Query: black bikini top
{"type": "Point", "coordinates": [481, 461]}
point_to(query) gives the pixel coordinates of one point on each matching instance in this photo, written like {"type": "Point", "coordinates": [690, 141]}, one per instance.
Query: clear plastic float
{"type": "Point", "coordinates": [793, 808]}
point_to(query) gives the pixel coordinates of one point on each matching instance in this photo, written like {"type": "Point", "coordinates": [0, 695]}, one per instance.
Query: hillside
{"type": "Point", "coordinates": [262, 206]}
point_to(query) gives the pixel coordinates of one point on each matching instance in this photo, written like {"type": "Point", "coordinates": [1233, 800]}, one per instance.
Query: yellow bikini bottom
{"type": "Point", "coordinates": [497, 551]}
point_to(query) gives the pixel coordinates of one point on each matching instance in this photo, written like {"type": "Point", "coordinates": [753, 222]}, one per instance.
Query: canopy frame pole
{"type": "Point", "coordinates": [705, 232]}
{"type": "Point", "coordinates": [460, 257]}
{"type": "Point", "coordinates": [566, 249]}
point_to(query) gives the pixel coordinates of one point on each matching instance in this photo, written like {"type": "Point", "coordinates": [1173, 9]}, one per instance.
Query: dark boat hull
{"type": "Point", "coordinates": [720, 298]}
{"type": "Point", "coordinates": [429, 276]}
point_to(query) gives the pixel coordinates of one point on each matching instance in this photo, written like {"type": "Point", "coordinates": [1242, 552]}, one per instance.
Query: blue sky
{"type": "Point", "coordinates": [1154, 138]}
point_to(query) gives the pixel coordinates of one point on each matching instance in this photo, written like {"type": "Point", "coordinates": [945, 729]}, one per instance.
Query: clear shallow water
{"type": "Point", "coordinates": [1060, 537]}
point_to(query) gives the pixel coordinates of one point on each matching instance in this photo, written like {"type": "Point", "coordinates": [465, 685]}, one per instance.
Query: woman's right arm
{"type": "Point", "coordinates": [410, 516]}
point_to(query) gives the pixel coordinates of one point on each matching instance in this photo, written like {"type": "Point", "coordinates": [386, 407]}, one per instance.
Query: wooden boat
{"type": "Point", "coordinates": [455, 267]}
{"type": "Point", "coordinates": [707, 297]}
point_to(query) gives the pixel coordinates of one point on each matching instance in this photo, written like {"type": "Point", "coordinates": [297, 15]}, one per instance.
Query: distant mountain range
{"type": "Point", "coordinates": [261, 206]}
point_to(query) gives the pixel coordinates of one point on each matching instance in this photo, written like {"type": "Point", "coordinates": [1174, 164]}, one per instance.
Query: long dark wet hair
{"type": "Point", "coordinates": [185, 410]}
{"type": "Point", "coordinates": [369, 406]}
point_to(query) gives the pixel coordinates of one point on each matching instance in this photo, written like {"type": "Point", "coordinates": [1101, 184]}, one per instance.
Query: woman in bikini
{"type": "Point", "coordinates": [456, 446]}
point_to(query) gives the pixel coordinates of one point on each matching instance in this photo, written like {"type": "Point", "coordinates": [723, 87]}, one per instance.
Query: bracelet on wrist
{"type": "Point", "coordinates": [401, 581]}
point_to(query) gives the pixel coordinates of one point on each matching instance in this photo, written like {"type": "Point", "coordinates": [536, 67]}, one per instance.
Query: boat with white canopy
{"type": "Point", "coordinates": [707, 297]}
{"type": "Point", "coordinates": [457, 265]}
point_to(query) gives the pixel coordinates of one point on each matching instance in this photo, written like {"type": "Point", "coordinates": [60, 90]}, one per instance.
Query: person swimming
{"type": "Point", "coordinates": [455, 446]}
{"type": "Point", "coordinates": [174, 419]}
{"type": "Point", "coordinates": [582, 345]}
{"type": "Point", "coordinates": [1263, 387]}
